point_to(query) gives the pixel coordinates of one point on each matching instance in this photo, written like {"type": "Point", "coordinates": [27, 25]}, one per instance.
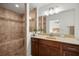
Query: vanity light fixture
{"type": "Point", "coordinates": [49, 12]}
{"type": "Point", "coordinates": [17, 5]}
{"type": "Point", "coordinates": [52, 11]}
{"type": "Point", "coordinates": [46, 13]}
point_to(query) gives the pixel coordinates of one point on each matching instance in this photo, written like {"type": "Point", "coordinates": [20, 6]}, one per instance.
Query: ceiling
{"type": "Point", "coordinates": [42, 6]}
{"type": "Point", "coordinates": [64, 6]}
{"type": "Point", "coordinates": [45, 6]}
{"type": "Point", "coordinates": [11, 6]}
{"type": "Point", "coordinates": [38, 5]}
{"type": "Point", "coordinates": [21, 9]}
{"type": "Point", "coordinates": [48, 5]}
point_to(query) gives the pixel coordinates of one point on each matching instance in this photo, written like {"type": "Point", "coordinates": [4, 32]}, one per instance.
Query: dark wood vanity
{"type": "Point", "coordinates": [43, 47]}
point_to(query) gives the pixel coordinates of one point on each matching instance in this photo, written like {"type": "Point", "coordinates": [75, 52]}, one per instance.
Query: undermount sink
{"type": "Point", "coordinates": [51, 37]}
{"type": "Point", "coordinates": [47, 36]}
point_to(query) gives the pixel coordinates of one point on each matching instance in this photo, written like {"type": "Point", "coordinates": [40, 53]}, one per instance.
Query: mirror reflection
{"type": "Point", "coordinates": [56, 19]}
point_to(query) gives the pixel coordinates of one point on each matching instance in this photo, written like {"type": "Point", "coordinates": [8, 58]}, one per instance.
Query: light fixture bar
{"type": "Point", "coordinates": [52, 11]}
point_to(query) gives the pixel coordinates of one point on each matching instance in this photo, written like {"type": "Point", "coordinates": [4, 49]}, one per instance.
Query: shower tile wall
{"type": "Point", "coordinates": [12, 33]}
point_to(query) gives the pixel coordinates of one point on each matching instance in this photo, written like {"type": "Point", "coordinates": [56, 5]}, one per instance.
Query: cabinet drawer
{"type": "Point", "coordinates": [50, 43]}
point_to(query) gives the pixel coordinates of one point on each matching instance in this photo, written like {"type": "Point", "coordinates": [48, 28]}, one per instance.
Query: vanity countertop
{"type": "Point", "coordinates": [60, 39]}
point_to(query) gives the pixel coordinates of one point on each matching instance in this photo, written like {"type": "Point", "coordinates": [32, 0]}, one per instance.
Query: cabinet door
{"type": "Point", "coordinates": [43, 50]}
{"type": "Point", "coordinates": [34, 47]}
{"type": "Point", "coordinates": [53, 51]}
{"type": "Point", "coordinates": [70, 53]}
{"type": "Point", "coordinates": [49, 48]}
{"type": "Point", "coordinates": [70, 50]}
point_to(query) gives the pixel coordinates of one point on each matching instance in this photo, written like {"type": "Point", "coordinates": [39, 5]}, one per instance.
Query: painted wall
{"type": "Point", "coordinates": [77, 23]}
{"type": "Point", "coordinates": [67, 19]}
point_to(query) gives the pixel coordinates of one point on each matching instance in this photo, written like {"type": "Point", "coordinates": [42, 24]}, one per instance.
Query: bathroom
{"type": "Point", "coordinates": [39, 29]}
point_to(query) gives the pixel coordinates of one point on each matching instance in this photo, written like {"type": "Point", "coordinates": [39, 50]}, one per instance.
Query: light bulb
{"type": "Point", "coordinates": [57, 10]}
{"type": "Point", "coordinates": [17, 5]}
{"type": "Point", "coordinates": [46, 13]}
{"type": "Point", "coordinates": [51, 11]}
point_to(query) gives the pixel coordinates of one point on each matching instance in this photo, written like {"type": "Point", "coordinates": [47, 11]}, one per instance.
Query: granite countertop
{"type": "Point", "coordinates": [60, 39]}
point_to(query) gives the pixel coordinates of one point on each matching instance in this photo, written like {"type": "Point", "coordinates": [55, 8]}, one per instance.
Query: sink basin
{"type": "Point", "coordinates": [47, 36]}
{"type": "Point", "coordinates": [51, 37]}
